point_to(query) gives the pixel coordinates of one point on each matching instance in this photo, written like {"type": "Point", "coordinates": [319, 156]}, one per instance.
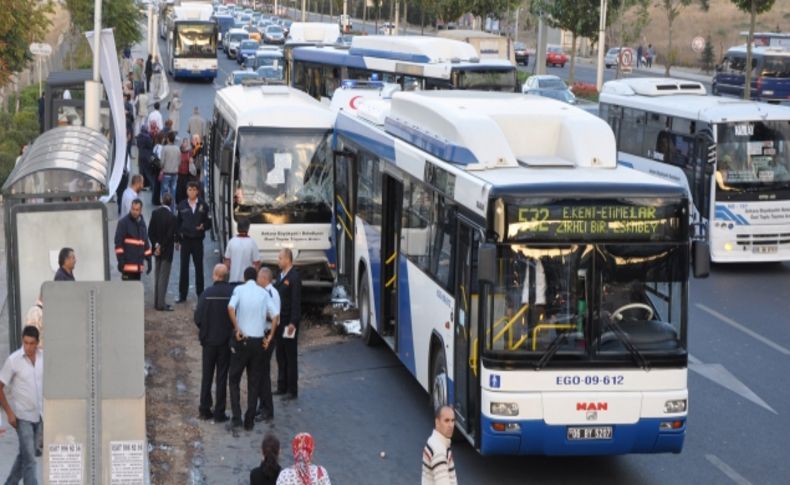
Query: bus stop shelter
{"type": "Point", "coordinates": [51, 202]}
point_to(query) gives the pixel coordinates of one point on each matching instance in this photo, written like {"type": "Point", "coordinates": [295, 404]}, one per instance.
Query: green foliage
{"type": "Point", "coordinates": [760, 6]}
{"type": "Point", "coordinates": [672, 9]}
{"type": "Point", "coordinates": [21, 23]}
{"type": "Point", "coordinates": [450, 10]}
{"type": "Point", "coordinates": [121, 15]}
{"type": "Point", "coordinates": [708, 58]}
{"type": "Point", "coordinates": [492, 8]}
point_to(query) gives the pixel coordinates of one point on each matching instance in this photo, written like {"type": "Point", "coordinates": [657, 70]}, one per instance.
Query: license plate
{"type": "Point", "coordinates": [590, 433]}
{"type": "Point", "coordinates": [765, 249]}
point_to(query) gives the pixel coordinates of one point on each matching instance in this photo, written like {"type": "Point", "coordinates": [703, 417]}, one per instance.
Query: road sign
{"type": "Point", "coordinates": [626, 59]}
{"type": "Point", "coordinates": [698, 44]}
{"type": "Point", "coordinates": [40, 49]}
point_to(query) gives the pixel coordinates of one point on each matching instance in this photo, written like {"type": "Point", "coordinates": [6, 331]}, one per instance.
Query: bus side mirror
{"type": "Point", "coordinates": [486, 263]}
{"type": "Point", "coordinates": [700, 251]}
{"type": "Point", "coordinates": [225, 160]}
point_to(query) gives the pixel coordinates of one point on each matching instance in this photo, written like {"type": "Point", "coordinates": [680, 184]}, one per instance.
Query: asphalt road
{"type": "Point", "coordinates": [363, 401]}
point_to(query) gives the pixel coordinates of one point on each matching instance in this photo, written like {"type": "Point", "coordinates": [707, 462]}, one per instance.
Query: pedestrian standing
{"type": "Point", "coordinates": [138, 76]}
{"type": "Point", "coordinates": [265, 406]}
{"type": "Point", "coordinates": [241, 252]}
{"type": "Point", "coordinates": [149, 70]}
{"type": "Point", "coordinates": [171, 159]}
{"type": "Point", "coordinates": [155, 123]}
{"type": "Point", "coordinates": [651, 54]}
{"type": "Point", "coordinates": [141, 106]}
{"type": "Point", "coordinates": [639, 53]}
{"type": "Point", "coordinates": [162, 233]}
{"type": "Point", "coordinates": [289, 285]}
{"type": "Point", "coordinates": [437, 458]}
{"type": "Point", "coordinates": [156, 79]}
{"type": "Point", "coordinates": [196, 124]}
{"type": "Point", "coordinates": [146, 162]}
{"type": "Point", "coordinates": [303, 472]}
{"type": "Point", "coordinates": [67, 260]}
{"type": "Point", "coordinates": [126, 63]}
{"type": "Point", "coordinates": [184, 170]}
{"type": "Point", "coordinates": [196, 158]}
{"type": "Point", "coordinates": [269, 469]}
{"type": "Point", "coordinates": [193, 221]}
{"type": "Point", "coordinates": [131, 194]}
{"type": "Point", "coordinates": [174, 109]}
{"type": "Point", "coordinates": [131, 243]}
{"type": "Point", "coordinates": [248, 308]}
{"type": "Point", "coordinates": [23, 373]}
{"type": "Point", "coordinates": [215, 331]}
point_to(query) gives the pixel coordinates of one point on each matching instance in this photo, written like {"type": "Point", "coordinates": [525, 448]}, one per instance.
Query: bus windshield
{"type": "Point", "coordinates": [753, 156]}
{"type": "Point", "coordinates": [283, 172]}
{"type": "Point", "coordinates": [196, 40]}
{"type": "Point", "coordinates": [486, 80]}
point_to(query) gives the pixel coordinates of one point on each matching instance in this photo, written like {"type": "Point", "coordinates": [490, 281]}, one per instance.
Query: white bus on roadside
{"type": "Point", "coordinates": [270, 158]}
{"type": "Point", "coordinates": [732, 155]}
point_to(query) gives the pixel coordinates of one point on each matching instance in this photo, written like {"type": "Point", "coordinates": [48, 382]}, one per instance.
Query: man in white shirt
{"type": "Point", "coordinates": [155, 116]}
{"type": "Point", "coordinates": [131, 194]}
{"type": "Point", "coordinates": [265, 278]}
{"type": "Point", "coordinates": [438, 467]}
{"type": "Point", "coordinates": [23, 372]}
{"type": "Point", "coordinates": [196, 125]}
{"type": "Point", "coordinates": [241, 253]}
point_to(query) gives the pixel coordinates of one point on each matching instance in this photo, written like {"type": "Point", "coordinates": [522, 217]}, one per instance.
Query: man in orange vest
{"type": "Point", "coordinates": [131, 243]}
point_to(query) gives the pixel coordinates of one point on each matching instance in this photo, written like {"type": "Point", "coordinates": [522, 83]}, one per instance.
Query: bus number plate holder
{"type": "Point", "coordinates": [765, 249]}
{"type": "Point", "coordinates": [589, 433]}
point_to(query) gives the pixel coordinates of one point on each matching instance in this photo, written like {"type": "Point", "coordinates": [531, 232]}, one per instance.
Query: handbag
{"type": "Point", "coordinates": [156, 163]}
{"type": "Point", "coordinates": [192, 168]}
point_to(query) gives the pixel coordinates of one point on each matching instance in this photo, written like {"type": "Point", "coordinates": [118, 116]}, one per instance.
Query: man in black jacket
{"type": "Point", "coordinates": [131, 243]}
{"type": "Point", "coordinates": [193, 221]}
{"type": "Point", "coordinates": [289, 285]}
{"type": "Point", "coordinates": [215, 329]}
{"type": "Point", "coordinates": [162, 232]}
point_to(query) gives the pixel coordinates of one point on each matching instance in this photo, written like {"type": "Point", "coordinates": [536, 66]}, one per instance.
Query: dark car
{"type": "Point", "coordinates": [522, 56]}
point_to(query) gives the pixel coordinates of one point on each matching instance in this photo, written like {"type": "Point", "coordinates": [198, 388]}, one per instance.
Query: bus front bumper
{"type": "Point", "coordinates": [535, 437]}
{"type": "Point", "coordinates": [196, 74]}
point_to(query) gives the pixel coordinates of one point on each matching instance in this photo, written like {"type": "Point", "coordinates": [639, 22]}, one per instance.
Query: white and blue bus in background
{"type": "Point", "coordinates": [732, 155]}
{"type": "Point", "coordinates": [271, 163]}
{"type": "Point", "coordinates": [492, 242]}
{"type": "Point", "coordinates": [192, 42]}
{"type": "Point", "coordinates": [414, 62]}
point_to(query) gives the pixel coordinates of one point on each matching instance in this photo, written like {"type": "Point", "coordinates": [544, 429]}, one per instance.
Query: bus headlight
{"type": "Point", "coordinates": [504, 408]}
{"type": "Point", "coordinates": [675, 406]}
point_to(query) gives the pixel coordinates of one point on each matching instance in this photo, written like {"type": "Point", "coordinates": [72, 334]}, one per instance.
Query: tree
{"type": "Point", "coordinates": [708, 58]}
{"type": "Point", "coordinates": [123, 16]}
{"type": "Point", "coordinates": [630, 30]}
{"type": "Point", "coordinates": [449, 10]}
{"type": "Point", "coordinates": [672, 8]}
{"type": "Point", "coordinates": [491, 8]}
{"type": "Point", "coordinates": [21, 23]}
{"type": "Point", "coordinates": [753, 7]}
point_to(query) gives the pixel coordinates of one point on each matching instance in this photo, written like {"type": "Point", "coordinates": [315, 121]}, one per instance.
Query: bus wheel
{"type": "Point", "coordinates": [369, 335]}
{"type": "Point", "coordinates": [438, 381]}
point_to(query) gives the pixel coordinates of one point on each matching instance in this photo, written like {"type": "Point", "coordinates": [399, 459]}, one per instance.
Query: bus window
{"type": "Point", "coordinates": [332, 80]}
{"type": "Point", "coordinates": [776, 66]}
{"type": "Point", "coordinates": [416, 221]}
{"type": "Point", "coordinates": [632, 131]}
{"type": "Point", "coordinates": [369, 190]}
{"type": "Point", "coordinates": [656, 144]}
{"type": "Point", "coordinates": [441, 266]}
{"type": "Point", "coordinates": [752, 155]}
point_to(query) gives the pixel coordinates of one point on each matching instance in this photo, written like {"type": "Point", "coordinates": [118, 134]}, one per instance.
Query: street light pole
{"type": "Point", "coordinates": [304, 10]}
{"type": "Point", "coordinates": [601, 46]}
{"type": "Point", "coordinates": [93, 88]}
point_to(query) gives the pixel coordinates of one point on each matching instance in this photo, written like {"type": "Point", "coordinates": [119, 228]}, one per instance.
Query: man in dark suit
{"type": "Point", "coordinates": [289, 285]}
{"type": "Point", "coordinates": [215, 329]}
{"type": "Point", "coordinates": [162, 233]}
{"type": "Point", "coordinates": [193, 222]}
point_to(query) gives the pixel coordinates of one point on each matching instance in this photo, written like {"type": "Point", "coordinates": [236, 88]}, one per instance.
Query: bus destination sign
{"type": "Point", "coordinates": [579, 221]}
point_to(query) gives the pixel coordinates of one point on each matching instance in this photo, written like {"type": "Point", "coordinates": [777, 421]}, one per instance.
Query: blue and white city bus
{"type": "Point", "coordinates": [733, 156]}
{"type": "Point", "coordinates": [271, 163]}
{"type": "Point", "coordinates": [414, 62]}
{"type": "Point", "coordinates": [192, 42]}
{"type": "Point", "coordinates": [492, 242]}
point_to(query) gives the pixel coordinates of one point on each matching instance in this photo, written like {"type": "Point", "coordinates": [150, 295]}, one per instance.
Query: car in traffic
{"type": "Point", "coordinates": [274, 34]}
{"type": "Point", "coordinates": [255, 33]}
{"type": "Point", "coordinates": [550, 86]}
{"type": "Point", "coordinates": [555, 56]}
{"type": "Point", "coordinates": [344, 40]}
{"type": "Point", "coordinates": [611, 58]}
{"type": "Point", "coordinates": [232, 39]}
{"type": "Point", "coordinates": [270, 73]}
{"type": "Point", "coordinates": [247, 48]}
{"type": "Point", "coordinates": [522, 55]}
{"type": "Point", "coordinates": [264, 57]}
{"type": "Point", "coordinates": [237, 77]}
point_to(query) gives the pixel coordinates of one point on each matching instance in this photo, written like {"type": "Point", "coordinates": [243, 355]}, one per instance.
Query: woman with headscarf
{"type": "Point", "coordinates": [303, 472]}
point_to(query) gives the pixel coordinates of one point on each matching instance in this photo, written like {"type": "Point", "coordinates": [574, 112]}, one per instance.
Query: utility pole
{"type": "Point", "coordinates": [601, 46]}
{"type": "Point", "coordinates": [515, 29]}
{"type": "Point", "coordinates": [304, 10]}
{"type": "Point", "coordinates": [397, 17]}
{"type": "Point", "coordinates": [93, 88]}
{"type": "Point", "coordinates": [540, 51]}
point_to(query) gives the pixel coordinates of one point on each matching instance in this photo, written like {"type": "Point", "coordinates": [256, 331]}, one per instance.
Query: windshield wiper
{"type": "Point", "coordinates": [640, 359]}
{"type": "Point", "coordinates": [553, 348]}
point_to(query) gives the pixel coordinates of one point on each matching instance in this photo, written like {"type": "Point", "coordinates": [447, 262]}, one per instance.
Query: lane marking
{"type": "Point", "coordinates": [744, 329]}
{"type": "Point", "coordinates": [727, 470]}
{"type": "Point", "coordinates": [721, 376]}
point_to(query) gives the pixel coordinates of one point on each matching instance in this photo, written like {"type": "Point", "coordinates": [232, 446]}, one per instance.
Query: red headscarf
{"type": "Point", "coordinates": [302, 446]}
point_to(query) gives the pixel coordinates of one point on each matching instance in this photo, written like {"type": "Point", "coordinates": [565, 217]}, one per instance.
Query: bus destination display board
{"type": "Point", "coordinates": [580, 221]}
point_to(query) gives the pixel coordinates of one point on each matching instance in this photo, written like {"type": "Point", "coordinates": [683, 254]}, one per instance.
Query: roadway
{"type": "Point", "coordinates": [364, 402]}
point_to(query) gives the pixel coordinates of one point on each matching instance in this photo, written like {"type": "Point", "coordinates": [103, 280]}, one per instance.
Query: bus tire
{"type": "Point", "coordinates": [369, 335]}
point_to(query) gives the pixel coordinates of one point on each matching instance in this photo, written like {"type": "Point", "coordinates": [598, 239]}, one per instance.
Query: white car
{"type": "Point", "coordinates": [549, 86]}
{"type": "Point", "coordinates": [610, 59]}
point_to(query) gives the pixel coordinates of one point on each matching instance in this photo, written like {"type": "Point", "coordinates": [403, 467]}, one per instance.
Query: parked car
{"type": "Point", "coordinates": [549, 86]}
{"type": "Point", "coordinates": [274, 35]}
{"type": "Point", "coordinates": [555, 56]}
{"type": "Point", "coordinates": [610, 59]}
{"type": "Point", "coordinates": [387, 28]}
{"type": "Point", "coordinates": [522, 55]}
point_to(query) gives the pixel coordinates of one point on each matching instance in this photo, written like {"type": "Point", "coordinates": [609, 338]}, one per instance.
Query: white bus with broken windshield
{"type": "Point", "coordinates": [270, 154]}
{"type": "Point", "coordinates": [732, 155]}
{"type": "Point", "coordinates": [520, 275]}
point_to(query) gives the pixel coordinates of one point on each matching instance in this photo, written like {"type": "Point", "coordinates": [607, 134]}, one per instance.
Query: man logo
{"type": "Point", "coordinates": [592, 415]}
{"type": "Point", "coordinates": [592, 406]}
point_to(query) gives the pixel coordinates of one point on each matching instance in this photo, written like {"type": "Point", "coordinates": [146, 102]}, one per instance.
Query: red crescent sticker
{"type": "Point", "coordinates": [352, 103]}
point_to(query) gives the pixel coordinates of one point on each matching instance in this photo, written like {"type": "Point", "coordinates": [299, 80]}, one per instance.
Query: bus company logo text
{"type": "Point", "coordinates": [592, 406]}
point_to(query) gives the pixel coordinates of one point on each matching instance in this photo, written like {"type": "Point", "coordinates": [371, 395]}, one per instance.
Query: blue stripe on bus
{"type": "Point", "coordinates": [363, 135]}
{"type": "Point", "coordinates": [202, 74]}
{"type": "Point", "coordinates": [386, 54]}
{"type": "Point", "coordinates": [725, 214]}
{"type": "Point", "coordinates": [449, 152]}
{"type": "Point", "coordinates": [538, 438]}
{"type": "Point", "coordinates": [405, 327]}
{"type": "Point", "coordinates": [626, 164]}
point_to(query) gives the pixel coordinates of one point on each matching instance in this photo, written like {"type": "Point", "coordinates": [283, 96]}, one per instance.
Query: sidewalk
{"type": "Point", "coordinates": [657, 70]}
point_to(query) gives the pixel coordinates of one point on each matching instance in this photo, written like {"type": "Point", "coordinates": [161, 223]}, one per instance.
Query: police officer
{"type": "Point", "coordinates": [193, 221]}
{"type": "Point", "coordinates": [289, 285]}
{"type": "Point", "coordinates": [131, 243]}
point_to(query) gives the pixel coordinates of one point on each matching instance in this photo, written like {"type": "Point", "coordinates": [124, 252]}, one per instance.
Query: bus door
{"type": "Point", "coordinates": [392, 203]}
{"type": "Point", "coordinates": [466, 346]}
{"type": "Point", "coordinates": [704, 168]}
{"type": "Point", "coordinates": [345, 167]}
